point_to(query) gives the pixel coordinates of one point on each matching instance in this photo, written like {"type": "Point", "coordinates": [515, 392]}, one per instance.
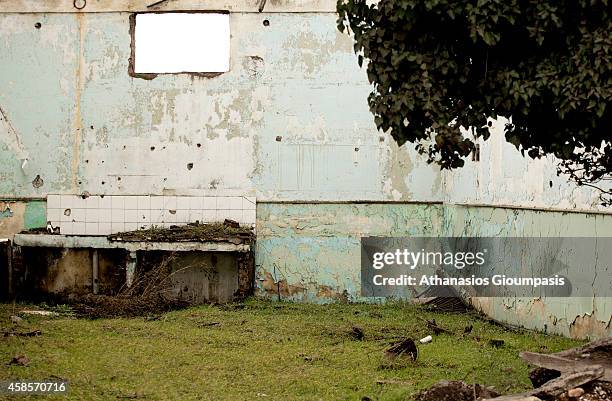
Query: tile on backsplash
{"type": "Point", "coordinates": [91, 228]}
{"type": "Point", "coordinates": [53, 214]}
{"type": "Point", "coordinates": [144, 202]}
{"type": "Point", "coordinates": [105, 202]}
{"type": "Point", "coordinates": [53, 201]}
{"type": "Point", "coordinates": [209, 203]}
{"type": "Point", "coordinates": [196, 202]}
{"type": "Point", "coordinates": [117, 227]}
{"type": "Point", "coordinates": [209, 216]}
{"type": "Point", "coordinates": [182, 202]}
{"type": "Point", "coordinates": [92, 215]}
{"type": "Point", "coordinates": [92, 202]}
{"type": "Point", "coordinates": [118, 202]}
{"type": "Point", "coordinates": [144, 216]}
{"type": "Point", "coordinates": [131, 215]}
{"type": "Point", "coordinates": [157, 202]}
{"type": "Point", "coordinates": [170, 202]}
{"type": "Point", "coordinates": [104, 228]}
{"type": "Point", "coordinates": [118, 216]}
{"type": "Point", "coordinates": [130, 203]}
{"type": "Point", "coordinates": [106, 214]}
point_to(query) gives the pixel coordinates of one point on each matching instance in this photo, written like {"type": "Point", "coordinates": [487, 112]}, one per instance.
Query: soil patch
{"type": "Point", "coordinates": [455, 391]}
{"type": "Point", "coordinates": [227, 231]}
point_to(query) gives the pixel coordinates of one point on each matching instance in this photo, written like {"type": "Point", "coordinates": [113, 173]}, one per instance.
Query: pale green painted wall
{"type": "Point", "coordinates": [289, 122]}
{"type": "Point", "coordinates": [314, 251]}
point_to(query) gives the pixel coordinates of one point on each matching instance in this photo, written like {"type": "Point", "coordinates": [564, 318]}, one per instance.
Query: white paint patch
{"type": "Point", "coordinates": [182, 42]}
{"type": "Point", "coordinates": [504, 177]}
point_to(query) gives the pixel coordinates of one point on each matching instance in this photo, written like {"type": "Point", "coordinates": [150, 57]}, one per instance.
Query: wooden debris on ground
{"type": "Point", "coordinates": [556, 387]}
{"type": "Point", "coordinates": [13, 333]}
{"type": "Point", "coordinates": [357, 333]}
{"type": "Point", "coordinates": [451, 304]}
{"type": "Point", "coordinates": [406, 347]}
{"type": "Point", "coordinates": [565, 375]}
{"type": "Point", "coordinates": [596, 353]}
{"type": "Point", "coordinates": [435, 328]}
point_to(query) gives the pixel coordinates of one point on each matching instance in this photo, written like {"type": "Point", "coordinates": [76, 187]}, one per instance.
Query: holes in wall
{"type": "Point", "coordinates": [79, 4]}
{"type": "Point", "coordinates": [37, 182]}
{"type": "Point", "coordinates": [181, 42]}
{"type": "Point", "coordinates": [266, 22]}
{"type": "Point", "coordinates": [189, 166]}
{"type": "Point", "coordinates": [38, 25]}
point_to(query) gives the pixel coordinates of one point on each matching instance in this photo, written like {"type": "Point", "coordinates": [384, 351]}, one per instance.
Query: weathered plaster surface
{"type": "Point", "coordinates": [313, 250]}
{"type": "Point", "coordinates": [504, 177]}
{"type": "Point", "coordinates": [289, 122]}
{"type": "Point", "coordinates": [17, 216]}
{"type": "Point", "coordinates": [575, 317]}
{"type": "Point", "coordinates": [68, 6]}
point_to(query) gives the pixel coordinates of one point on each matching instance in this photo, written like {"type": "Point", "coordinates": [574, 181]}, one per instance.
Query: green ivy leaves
{"type": "Point", "coordinates": [444, 65]}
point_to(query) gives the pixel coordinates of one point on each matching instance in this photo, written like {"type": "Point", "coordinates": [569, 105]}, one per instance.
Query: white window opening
{"type": "Point", "coordinates": [181, 42]}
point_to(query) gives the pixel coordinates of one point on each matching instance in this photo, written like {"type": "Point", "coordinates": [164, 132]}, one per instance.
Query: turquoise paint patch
{"type": "Point", "coordinates": [316, 248]}
{"type": "Point", "coordinates": [35, 215]}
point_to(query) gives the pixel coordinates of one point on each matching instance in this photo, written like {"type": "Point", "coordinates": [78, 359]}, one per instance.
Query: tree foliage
{"type": "Point", "coordinates": [441, 69]}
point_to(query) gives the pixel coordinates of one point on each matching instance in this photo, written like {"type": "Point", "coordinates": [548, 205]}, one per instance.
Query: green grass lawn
{"type": "Point", "coordinates": [264, 351]}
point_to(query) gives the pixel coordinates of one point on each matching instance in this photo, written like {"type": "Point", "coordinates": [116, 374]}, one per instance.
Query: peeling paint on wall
{"type": "Point", "coordinates": [17, 216]}
{"type": "Point", "coordinates": [10, 137]}
{"type": "Point", "coordinates": [288, 123]}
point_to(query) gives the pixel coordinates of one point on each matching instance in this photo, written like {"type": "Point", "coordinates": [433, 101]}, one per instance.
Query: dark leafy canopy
{"type": "Point", "coordinates": [438, 65]}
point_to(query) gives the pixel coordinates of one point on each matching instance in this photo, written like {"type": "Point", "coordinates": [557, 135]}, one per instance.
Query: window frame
{"type": "Point", "coordinates": [152, 75]}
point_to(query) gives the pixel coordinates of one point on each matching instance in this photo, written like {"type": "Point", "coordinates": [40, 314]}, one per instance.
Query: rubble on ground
{"type": "Point", "coordinates": [455, 391]}
{"type": "Point", "coordinates": [578, 374]}
{"type": "Point", "coordinates": [227, 231]}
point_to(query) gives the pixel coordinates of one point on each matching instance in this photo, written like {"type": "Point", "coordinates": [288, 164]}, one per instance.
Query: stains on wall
{"type": "Point", "coordinates": [11, 218]}
{"type": "Point", "coordinates": [503, 177]}
{"type": "Point", "coordinates": [589, 326]}
{"type": "Point", "coordinates": [580, 317]}
{"type": "Point", "coordinates": [300, 84]}
{"type": "Point", "coordinates": [16, 216]}
{"type": "Point", "coordinates": [288, 122]}
{"type": "Point", "coordinates": [312, 251]}
{"type": "Point", "coordinates": [10, 137]}
{"type": "Point", "coordinates": [51, 272]}
{"type": "Point", "coordinates": [253, 6]}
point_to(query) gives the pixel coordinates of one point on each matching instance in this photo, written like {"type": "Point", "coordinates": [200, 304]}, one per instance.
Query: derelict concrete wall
{"type": "Point", "coordinates": [288, 124]}
{"type": "Point", "coordinates": [289, 121]}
